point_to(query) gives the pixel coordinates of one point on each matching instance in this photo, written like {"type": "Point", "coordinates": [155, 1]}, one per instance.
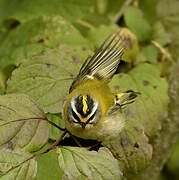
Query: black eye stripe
{"type": "Point", "coordinates": [78, 119]}
{"type": "Point", "coordinates": [88, 121]}
{"type": "Point", "coordinates": [75, 116]}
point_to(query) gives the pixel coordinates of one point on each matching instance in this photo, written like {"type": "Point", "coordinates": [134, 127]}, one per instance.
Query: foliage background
{"type": "Point", "coordinates": [42, 46]}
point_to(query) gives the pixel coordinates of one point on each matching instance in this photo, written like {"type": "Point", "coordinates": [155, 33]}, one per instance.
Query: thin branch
{"type": "Point", "coordinates": [166, 54]}
{"type": "Point", "coordinates": [85, 24]}
{"type": "Point", "coordinates": [121, 11]}
{"type": "Point", "coordinates": [39, 154]}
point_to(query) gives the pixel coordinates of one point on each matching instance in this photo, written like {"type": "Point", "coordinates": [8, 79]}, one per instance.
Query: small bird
{"type": "Point", "coordinates": [91, 110]}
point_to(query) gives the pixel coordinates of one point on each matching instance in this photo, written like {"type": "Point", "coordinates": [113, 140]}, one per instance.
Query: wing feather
{"type": "Point", "coordinates": [104, 63]}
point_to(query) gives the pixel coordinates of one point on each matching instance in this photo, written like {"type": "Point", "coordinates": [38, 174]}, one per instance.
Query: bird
{"type": "Point", "coordinates": [92, 110]}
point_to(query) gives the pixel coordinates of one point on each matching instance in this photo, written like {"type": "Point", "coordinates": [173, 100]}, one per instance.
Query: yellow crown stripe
{"type": "Point", "coordinates": [85, 105]}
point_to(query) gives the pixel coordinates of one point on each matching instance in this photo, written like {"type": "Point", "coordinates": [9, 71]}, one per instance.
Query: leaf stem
{"type": "Point", "coordinates": [35, 118]}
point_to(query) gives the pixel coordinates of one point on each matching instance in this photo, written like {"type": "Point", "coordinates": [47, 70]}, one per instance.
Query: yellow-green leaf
{"type": "Point", "coordinates": [34, 36]}
{"type": "Point", "coordinates": [10, 158]}
{"type": "Point", "coordinates": [143, 118]}
{"type": "Point", "coordinates": [30, 134]}
{"type": "Point", "coordinates": [136, 22]}
{"type": "Point", "coordinates": [47, 76]}
{"type": "Point", "coordinates": [79, 163]}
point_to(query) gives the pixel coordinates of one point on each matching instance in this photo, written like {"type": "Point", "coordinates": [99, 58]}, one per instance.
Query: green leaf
{"type": "Point", "coordinates": [100, 6]}
{"type": "Point", "coordinates": [25, 10]}
{"type": "Point", "coordinates": [57, 119]}
{"type": "Point", "coordinates": [172, 164]}
{"type": "Point", "coordinates": [149, 9]}
{"type": "Point", "coordinates": [151, 105]}
{"type": "Point", "coordinates": [96, 20]}
{"type": "Point", "coordinates": [2, 34]}
{"type": "Point", "coordinates": [131, 147]}
{"type": "Point", "coordinates": [168, 12]}
{"type": "Point", "coordinates": [37, 34]}
{"type": "Point", "coordinates": [10, 158]}
{"type": "Point", "coordinates": [97, 35]}
{"type": "Point", "coordinates": [47, 77]}
{"type": "Point", "coordinates": [91, 21]}
{"type": "Point", "coordinates": [48, 167]}
{"type": "Point", "coordinates": [29, 135]}
{"type": "Point", "coordinates": [78, 163]}
{"type": "Point", "coordinates": [114, 6]}
{"type": "Point", "coordinates": [144, 117]}
{"type": "Point", "coordinates": [166, 8]}
{"type": "Point", "coordinates": [150, 52]}
{"type": "Point", "coordinates": [136, 22]}
{"type": "Point", "coordinates": [159, 34]}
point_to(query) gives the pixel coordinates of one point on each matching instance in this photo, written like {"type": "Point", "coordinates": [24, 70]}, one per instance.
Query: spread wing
{"type": "Point", "coordinates": [104, 63]}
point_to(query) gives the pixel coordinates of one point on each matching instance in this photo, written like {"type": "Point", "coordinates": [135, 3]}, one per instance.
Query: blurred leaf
{"type": "Point", "coordinates": [97, 20]}
{"type": "Point", "coordinates": [37, 34]}
{"type": "Point", "coordinates": [166, 8]}
{"type": "Point", "coordinates": [136, 22]}
{"type": "Point", "coordinates": [168, 12]}
{"type": "Point", "coordinates": [78, 163]}
{"type": "Point", "coordinates": [172, 164]}
{"type": "Point", "coordinates": [152, 102]}
{"type": "Point", "coordinates": [5, 74]}
{"type": "Point", "coordinates": [25, 10]}
{"type": "Point", "coordinates": [132, 48]}
{"type": "Point", "coordinates": [47, 77]}
{"type": "Point", "coordinates": [48, 167]}
{"type": "Point", "coordinates": [101, 6]}
{"type": "Point", "coordinates": [90, 21]}
{"type": "Point", "coordinates": [144, 117]}
{"type": "Point", "coordinates": [97, 35]}
{"type": "Point", "coordinates": [113, 6]}
{"type": "Point", "coordinates": [2, 91]}
{"type": "Point", "coordinates": [159, 34]}
{"type": "Point", "coordinates": [148, 7]}
{"type": "Point", "coordinates": [29, 135]}
{"type": "Point", "coordinates": [150, 52]}
{"type": "Point", "coordinates": [2, 34]}
{"type": "Point", "coordinates": [9, 159]}
{"type": "Point", "coordinates": [57, 119]}
{"type": "Point", "coordinates": [2, 84]}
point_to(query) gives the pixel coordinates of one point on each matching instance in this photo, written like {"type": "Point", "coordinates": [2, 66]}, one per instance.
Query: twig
{"type": "Point", "coordinates": [85, 24]}
{"type": "Point", "coordinates": [121, 11]}
{"type": "Point", "coordinates": [163, 51]}
{"type": "Point", "coordinates": [39, 154]}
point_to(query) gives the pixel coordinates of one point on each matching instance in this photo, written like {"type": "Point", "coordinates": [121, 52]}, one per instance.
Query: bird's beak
{"type": "Point", "coordinates": [83, 125]}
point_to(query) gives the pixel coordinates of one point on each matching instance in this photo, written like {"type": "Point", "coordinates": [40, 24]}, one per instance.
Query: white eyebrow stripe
{"type": "Point", "coordinates": [94, 109]}
{"type": "Point", "coordinates": [74, 108]}
{"type": "Point", "coordinates": [92, 112]}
